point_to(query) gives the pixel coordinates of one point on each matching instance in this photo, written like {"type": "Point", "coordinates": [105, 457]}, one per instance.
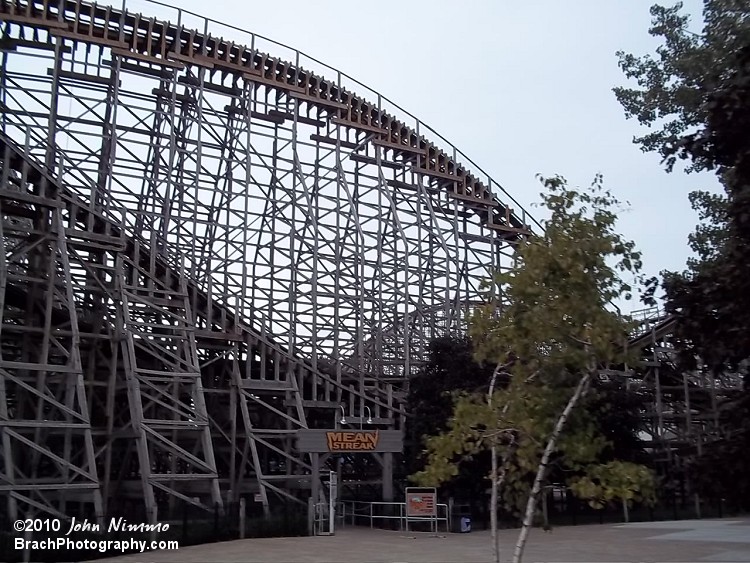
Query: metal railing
{"type": "Point", "coordinates": [355, 512]}
{"type": "Point", "coordinates": [259, 43]}
{"type": "Point", "coordinates": [321, 524]}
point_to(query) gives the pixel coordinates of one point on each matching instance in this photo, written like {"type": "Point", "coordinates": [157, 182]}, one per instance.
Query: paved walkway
{"type": "Point", "coordinates": [681, 541]}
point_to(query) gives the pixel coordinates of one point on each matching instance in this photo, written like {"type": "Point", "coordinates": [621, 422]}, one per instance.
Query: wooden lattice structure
{"type": "Point", "coordinates": [208, 248]}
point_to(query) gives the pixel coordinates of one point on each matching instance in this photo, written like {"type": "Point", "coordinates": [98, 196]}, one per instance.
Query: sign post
{"type": "Point", "coordinates": [421, 506]}
{"type": "Point", "coordinates": [333, 486]}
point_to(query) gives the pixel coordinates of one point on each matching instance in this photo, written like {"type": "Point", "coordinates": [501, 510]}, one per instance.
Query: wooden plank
{"type": "Point", "coordinates": [314, 404]}
{"type": "Point", "coordinates": [371, 160]}
{"type": "Point", "coordinates": [223, 336]}
{"type": "Point", "coordinates": [475, 200]}
{"type": "Point", "coordinates": [147, 58]}
{"type": "Point", "coordinates": [13, 44]}
{"type": "Point", "coordinates": [399, 147]}
{"type": "Point", "coordinates": [105, 80]}
{"type": "Point", "coordinates": [165, 376]}
{"type": "Point", "coordinates": [180, 476]}
{"type": "Point", "coordinates": [204, 61]}
{"type": "Point", "coordinates": [18, 211]}
{"type": "Point", "coordinates": [220, 88]}
{"type": "Point", "coordinates": [36, 22]}
{"type": "Point", "coordinates": [88, 38]}
{"type": "Point", "coordinates": [480, 238]}
{"type": "Point", "coordinates": [12, 195]}
{"type": "Point", "coordinates": [48, 424]}
{"type": "Point", "coordinates": [266, 117]}
{"type": "Point", "coordinates": [300, 118]}
{"type": "Point", "coordinates": [170, 425]}
{"type": "Point", "coordinates": [166, 94]}
{"type": "Point", "coordinates": [38, 367]}
{"type": "Point", "coordinates": [222, 65]}
{"type": "Point", "coordinates": [360, 126]}
{"type": "Point", "coordinates": [48, 486]}
{"type": "Point", "coordinates": [88, 235]}
{"type": "Point", "coordinates": [508, 229]}
{"type": "Point", "coordinates": [331, 141]}
{"type": "Point", "coordinates": [294, 91]}
{"type": "Point", "coordinates": [447, 211]}
{"type": "Point", "coordinates": [265, 385]}
{"type": "Point", "coordinates": [440, 175]}
{"type": "Point", "coordinates": [158, 72]}
{"type": "Point", "coordinates": [408, 186]}
{"type": "Point", "coordinates": [255, 114]}
{"type": "Point", "coordinates": [320, 101]}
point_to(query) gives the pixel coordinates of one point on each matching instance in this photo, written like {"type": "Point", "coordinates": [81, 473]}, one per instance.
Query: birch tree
{"type": "Point", "coordinates": [552, 314]}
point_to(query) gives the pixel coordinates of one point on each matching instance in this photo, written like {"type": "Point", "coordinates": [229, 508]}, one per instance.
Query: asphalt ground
{"type": "Point", "coordinates": [685, 541]}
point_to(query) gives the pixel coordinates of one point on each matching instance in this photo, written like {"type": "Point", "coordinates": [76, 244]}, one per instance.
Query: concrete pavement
{"type": "Point", "coordinates": [724, 540]}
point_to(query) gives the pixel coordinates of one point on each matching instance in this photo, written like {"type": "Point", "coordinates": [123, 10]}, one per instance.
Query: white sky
{"type": "Point", "coordinates": [520, 87]}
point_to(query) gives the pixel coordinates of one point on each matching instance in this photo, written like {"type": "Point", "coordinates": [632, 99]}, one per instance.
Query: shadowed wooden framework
{"type": "Point", "coordinates": [208, 248]}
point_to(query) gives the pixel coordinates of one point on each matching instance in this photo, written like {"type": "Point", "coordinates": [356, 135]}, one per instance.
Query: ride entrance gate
{"type": "Point", "coordinates": [321, 444]}
{"type": "Point", "coordinates": [323, 514]}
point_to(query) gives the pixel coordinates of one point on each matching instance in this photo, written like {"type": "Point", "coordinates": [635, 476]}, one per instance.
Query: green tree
{"type": "Point", "coordinates": [549, 326]}
{"type": "Point", "coordinates": [712, 298]}
{"type": "Point", "coordinates": [450, 370]}
{"type": "Point", "coordinates": [615, 481]}
{"type": "Point", "coordinates": [673, 84]}
{"type": "Point", "coordinates": [693, 95]}
{"type": "Point", "coordinates": [451, 373]}
{"type": "Point", "coordinates": [702, 83]}
{"type": "Point", "coordinates": [617, 413]}
{"type": "Point", "coordinates": [717, 288]}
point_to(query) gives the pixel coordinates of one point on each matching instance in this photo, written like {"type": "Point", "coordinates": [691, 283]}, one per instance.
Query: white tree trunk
{"type": "Point", "coordinates": [542, 469]}
{"type": "Point", "coordinates": [493, 505]}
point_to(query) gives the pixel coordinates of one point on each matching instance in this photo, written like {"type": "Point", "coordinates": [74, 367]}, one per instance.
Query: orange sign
{"type": "Point", "coordinates": [348, 441]}
{"type": "Point", "coordinates": [420, 503]}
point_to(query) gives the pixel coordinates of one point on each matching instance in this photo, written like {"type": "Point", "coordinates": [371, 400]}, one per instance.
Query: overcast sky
{"type": "Point", "coordinates": [520, 87]}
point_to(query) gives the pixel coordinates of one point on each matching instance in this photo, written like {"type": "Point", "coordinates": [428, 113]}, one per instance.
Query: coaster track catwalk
{"type": "Point", "coordinates": [207, 248]}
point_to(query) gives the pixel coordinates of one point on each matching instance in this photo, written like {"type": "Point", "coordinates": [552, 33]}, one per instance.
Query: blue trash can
{"type": "Point", "coordinates": [465, 524]}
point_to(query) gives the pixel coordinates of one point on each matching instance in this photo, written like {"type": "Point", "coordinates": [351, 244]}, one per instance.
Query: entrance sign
{"type": "Point", "coordinates": [421, 506]}
{"type": "Point", "coordinates": [349, 441]}
{"type": "Point", "coordinates": [352, 441]}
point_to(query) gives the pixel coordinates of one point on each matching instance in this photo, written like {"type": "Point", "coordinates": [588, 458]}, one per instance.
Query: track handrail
{"type": "Point", "coordinates": [405, 112]}
{"type": "Point", "coordinates": [154, 41]}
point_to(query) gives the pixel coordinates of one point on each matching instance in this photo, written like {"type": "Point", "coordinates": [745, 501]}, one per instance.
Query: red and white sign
{"type": "Point", "coordinates": [421, 502]}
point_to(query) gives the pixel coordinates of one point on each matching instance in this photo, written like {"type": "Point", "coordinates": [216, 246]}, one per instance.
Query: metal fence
{"type": "Point", "coordinates": [390, 515]}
